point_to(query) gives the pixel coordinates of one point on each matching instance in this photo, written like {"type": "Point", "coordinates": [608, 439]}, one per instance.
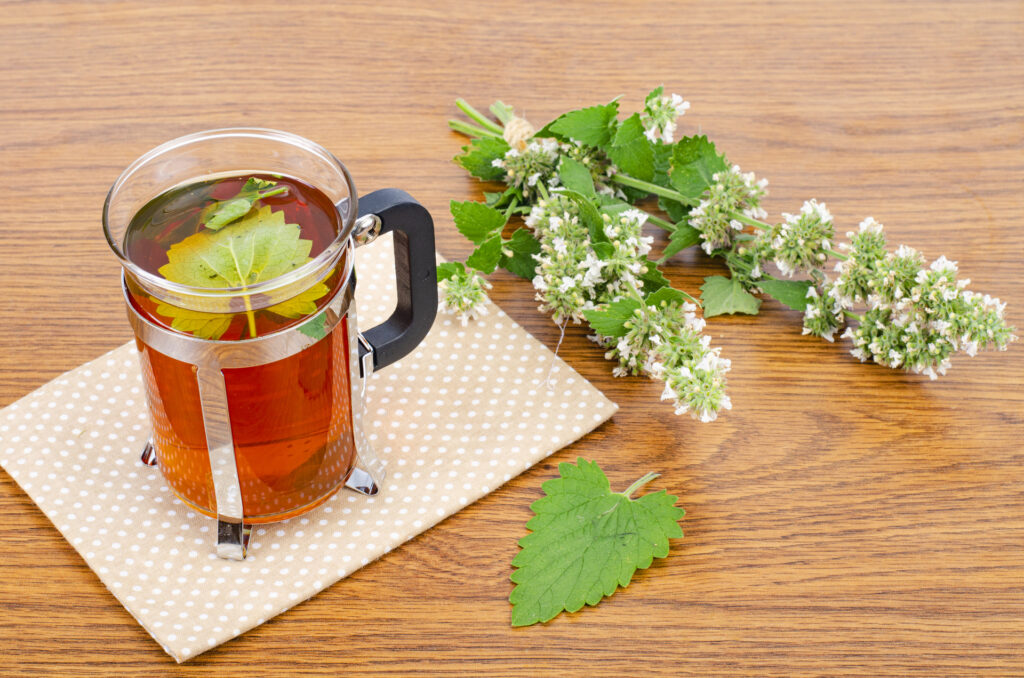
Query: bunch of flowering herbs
{"type": "Point", "coordinates": [578, 181]}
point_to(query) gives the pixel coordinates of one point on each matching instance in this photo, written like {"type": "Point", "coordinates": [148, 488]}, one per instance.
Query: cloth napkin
{"type": "Point", "coordinates": [472, 407]}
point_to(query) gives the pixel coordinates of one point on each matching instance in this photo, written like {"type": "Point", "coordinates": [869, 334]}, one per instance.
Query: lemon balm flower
{"type": "Point", "coordinates": [660, 114]}
{"type": "Point", "coordinates": [464, 294]}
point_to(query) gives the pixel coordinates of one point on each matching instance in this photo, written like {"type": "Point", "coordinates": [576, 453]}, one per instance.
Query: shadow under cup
{"type": "Point", "coordinates": [257, 429]}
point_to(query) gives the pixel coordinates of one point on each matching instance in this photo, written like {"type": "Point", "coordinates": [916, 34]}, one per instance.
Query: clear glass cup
{"type": "Point", "coordinates": [265, 428]}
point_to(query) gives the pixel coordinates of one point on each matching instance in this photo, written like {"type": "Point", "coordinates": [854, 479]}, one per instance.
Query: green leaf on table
{"type": "Point", "coordinates": [485, 257]}
{"type": "Point", "coordinates": [587, 541]}
{"type": "Point", "coordinates": [523, 246]}
{"type": "Point", "coordinates": [478, 158]}
{"type": "Point", "coordinates": [502, 111]}
{"type": "Point", "coordinates": [575, 176]}
{"type": "Point", "coordinates": [791, 293]}
{"type": "Point", "coordinates": [694, 161]}
{"type": "Point", "coordinates": [682, 237]}
{"type": "Point", "coordinates": [316, 327]}
{"type": "Point", "coordinates": [631, 151]}
{"type": "Point", "coordinates": [217, 215]}
{"type": "Point", "coordinates": [610, 320]}
{"type": "Point", "coordinates": [449, 269]}
{"type": "Point", "coordinates": [477, 221]}
{"type": "Point", "coordinates": [589, 215]}
{"type": "Point", "coordinates": [726, 295]}
{"type": "Point", "coordinates": [593, 126]}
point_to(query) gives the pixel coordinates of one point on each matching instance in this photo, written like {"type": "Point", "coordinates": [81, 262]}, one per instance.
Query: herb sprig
{"type": "Point", "coordinates": [580, 181]}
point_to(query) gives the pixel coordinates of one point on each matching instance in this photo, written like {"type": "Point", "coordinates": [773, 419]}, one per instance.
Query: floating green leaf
{"type": "Point", "coordinates": [587, 541]}
{"type": "Point", "coordinates": [219, 214]}
{"type": "Point", "coordinates": [315, 328]}
{"type": "Point", "coordinates": [257, 248]}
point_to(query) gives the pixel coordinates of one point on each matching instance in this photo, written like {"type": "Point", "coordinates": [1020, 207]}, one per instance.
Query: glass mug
{"type": "Point", "coordinates": [259, 429]}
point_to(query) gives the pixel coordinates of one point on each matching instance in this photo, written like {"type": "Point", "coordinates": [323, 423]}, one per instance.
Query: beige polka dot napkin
{"type": "Point", "coordinates": [469, 409]}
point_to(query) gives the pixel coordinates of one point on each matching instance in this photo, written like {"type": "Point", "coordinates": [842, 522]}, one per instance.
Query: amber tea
{"type": "Point", "coordinates": [290, 419]}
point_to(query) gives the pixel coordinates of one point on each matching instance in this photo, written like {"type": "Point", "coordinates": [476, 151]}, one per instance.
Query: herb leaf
{"type": "Point", "coordinates": [315, 328]}
{"type": "Point", "coordinates": [631, 151]}
{"type": "Point", "coordinates": [587, 541]}
{"type": "Point", "coordinates": [485, 257]}
{"type": "Point", "coordinates": [792, 293]}
{"type": "Point", "coordinates": [726, 295]}
{"type": "Point", "coordinates": [477, 221]}
{"type": "Point", "coordinates": [694, 161]}
{"type": "Point", "coordinates": [593, 126]}
{"type": "Point", "coordinates": [611, 320]}
{"type": "Point", "coordinates": [478, 158]}
{"type": "Point", "coordinates": [219, 214]}
{"type": "Point", "coordinates": [259, 247]}
{"type": "Point", "coordinates": [523, 246]}
{"type": "Point", "coordinates": [684, 236]}
{"type": "Point", "coordinates": [449, 269]}
{"type": "Point", "coordinates": [575, 176]}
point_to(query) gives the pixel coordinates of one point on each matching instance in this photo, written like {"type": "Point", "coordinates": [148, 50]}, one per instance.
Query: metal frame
{"type": "Point", "coordinates": [211, 357]}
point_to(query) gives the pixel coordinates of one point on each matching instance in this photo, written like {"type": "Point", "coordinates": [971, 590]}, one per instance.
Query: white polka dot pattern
{"type": "Point", "coordinates": [468, 410]}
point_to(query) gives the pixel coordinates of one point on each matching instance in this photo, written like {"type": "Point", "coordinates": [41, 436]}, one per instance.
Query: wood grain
{"type": "Point", "coordinates": [842, 519]}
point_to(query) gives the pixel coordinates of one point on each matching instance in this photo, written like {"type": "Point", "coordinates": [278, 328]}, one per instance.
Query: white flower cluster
{"type": "Point", "coordinates": [916, 317]}
{"type": "Point", "coordinates": [802, 241]}
{"type": "Point", "coordinates": [660, 114]}
{"type": "Point", "coordinates": [464, 294]}
{"type": "Point", "coordinates": [575, 275]}
{"type": "Point", "coordinates": [733, 192]}
{"type": "Point", "coordinates": [665, 342]}
{"type": "Point", "coordinates": [571, 275]}
{"type": "Point", "coordinates": [537, 163]}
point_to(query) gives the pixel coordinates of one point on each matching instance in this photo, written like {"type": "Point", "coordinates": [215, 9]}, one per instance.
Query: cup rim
{"type": "Point", "coordinates": [310, 268]}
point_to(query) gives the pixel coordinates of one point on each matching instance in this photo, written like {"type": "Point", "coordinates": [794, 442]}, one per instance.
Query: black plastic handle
{"type": "Point", "coordinates": [415, 273]}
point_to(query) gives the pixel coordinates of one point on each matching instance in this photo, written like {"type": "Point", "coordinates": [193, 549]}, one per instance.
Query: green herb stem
{"type": "Point", "coordinates": [839, 255]}
{"type": "Point", "coordinates": [627, 180]}
{"type": "Point", "coordinates": [640, 482]}
{"type": "Point", "coordinates": [251, 316]}
{"type": "Point", "coordinates": [472, 130]}
{"type": "Point", "coordinates": [856, 316]}
{"type": "Point", "coordinates": [479, 117]}
{"type": "Point", "coordinates": [744, 219]}
{"type": "Point", "coordinates": [661, 223]}
{"type": "Point", "coordinates": [272, 192]}
{"type": "Point", "coordinates": [511, 207]}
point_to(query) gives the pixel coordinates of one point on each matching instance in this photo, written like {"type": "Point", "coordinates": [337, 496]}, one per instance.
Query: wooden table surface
{"type": "Point", "coordinates": [842, 519]}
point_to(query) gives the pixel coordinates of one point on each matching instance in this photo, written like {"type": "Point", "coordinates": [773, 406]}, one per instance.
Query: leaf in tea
{"type": "Point", "coordinates": [223, 212]}
{"type": "Point", "coordinates": [257, 248]}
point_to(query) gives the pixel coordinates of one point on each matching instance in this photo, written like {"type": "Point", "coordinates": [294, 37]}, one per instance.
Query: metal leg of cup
{"type": "Point", "coordinates": [362, 482]}
{"type": "Point", "coordinates": [233, 539]}
{"type": "Point", "coordinates": [149, 454]}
